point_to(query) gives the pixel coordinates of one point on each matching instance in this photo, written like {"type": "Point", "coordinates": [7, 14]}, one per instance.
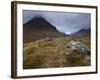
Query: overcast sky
{"type": "Point", "coordinates": [65, 22]}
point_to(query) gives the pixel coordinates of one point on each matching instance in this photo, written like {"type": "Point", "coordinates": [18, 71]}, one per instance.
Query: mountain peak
{"type": "Point", "coordinates": [84, 29]}
{"type": "Point", "coordinates": [36, 19]}
{"type": "Point", "coordinates": [38, 28]}
{"type": "Point", "coordinates": [39, 23]}
{"type": "Point", "coordinates": [83, 32]}
{"type": "Point", "coordinates": [39, 18]}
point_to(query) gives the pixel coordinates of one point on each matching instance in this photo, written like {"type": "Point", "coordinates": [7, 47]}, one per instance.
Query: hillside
{"type": "Point", "coordinates": [51, 52]}
{"type": "Point", "coordinates": [82, 32]}
{"type": "Point", "coordinates": [38, 28]}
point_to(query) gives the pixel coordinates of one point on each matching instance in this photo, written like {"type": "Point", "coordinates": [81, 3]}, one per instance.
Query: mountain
{"type": "Point", "coordinates": [38, 28]}
{"type": "Point", "coordinates": [82, 32]}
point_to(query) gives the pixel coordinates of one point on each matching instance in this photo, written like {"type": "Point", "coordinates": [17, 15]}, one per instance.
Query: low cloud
{"type": "Point", "coordinates": [65, 22]}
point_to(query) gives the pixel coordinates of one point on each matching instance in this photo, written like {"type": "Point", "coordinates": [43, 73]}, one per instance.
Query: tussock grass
{"type": "Point", "coordinates": [48, 53]}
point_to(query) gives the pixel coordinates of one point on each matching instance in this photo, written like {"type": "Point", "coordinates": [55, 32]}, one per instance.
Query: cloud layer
{"type": "Point", "coordinates": [65, 22]}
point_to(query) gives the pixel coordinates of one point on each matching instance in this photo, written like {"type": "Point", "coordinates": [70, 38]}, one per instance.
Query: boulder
{"type": "Point", "coordinates": [78, 47]}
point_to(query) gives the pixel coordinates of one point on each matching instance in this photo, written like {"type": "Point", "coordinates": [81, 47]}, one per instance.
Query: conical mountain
{"type": "Point", "coordinates": [38, 28]}
{"type": "Point", "coordinates": [38, 23]}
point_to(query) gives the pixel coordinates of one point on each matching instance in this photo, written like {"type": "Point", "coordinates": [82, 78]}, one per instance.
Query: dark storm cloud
{"type": "Point", "coordinates": [65, 22]}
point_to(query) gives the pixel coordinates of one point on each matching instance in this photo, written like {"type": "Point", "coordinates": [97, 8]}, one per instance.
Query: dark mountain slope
{"type": "Point", "coordinates": [82, 32]}
{"type": "Point", "coordinates": [38, 28]}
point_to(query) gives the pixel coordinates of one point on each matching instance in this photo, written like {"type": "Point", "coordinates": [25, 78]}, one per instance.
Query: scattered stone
{"type": "Point", "coordinates": [78, 47]}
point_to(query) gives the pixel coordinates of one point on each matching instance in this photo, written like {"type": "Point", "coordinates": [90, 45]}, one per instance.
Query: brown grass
{"type": "Point", "coordinates": [52, 53]}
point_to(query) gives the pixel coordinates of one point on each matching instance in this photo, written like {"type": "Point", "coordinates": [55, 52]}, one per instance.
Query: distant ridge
{"type": "Point", "coordinates": [38, 28]}
{"type": "Point", "coordinates": [82, 32]}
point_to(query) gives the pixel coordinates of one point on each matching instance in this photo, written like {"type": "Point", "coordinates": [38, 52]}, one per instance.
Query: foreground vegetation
{"type": "Point", "coordinates": [51, 52]}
